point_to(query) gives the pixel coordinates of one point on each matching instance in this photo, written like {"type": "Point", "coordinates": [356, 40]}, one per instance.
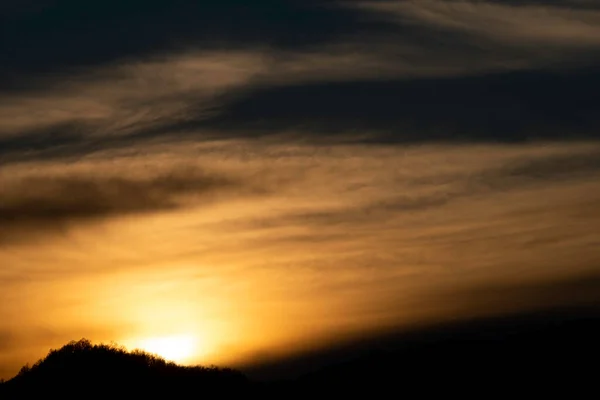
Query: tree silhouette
{"type": "Point", "coordinates": [81, 368]}
{"type": "Point", "coordinates": [530, 355]}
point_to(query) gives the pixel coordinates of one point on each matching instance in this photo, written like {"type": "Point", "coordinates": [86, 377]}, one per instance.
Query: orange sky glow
{"type": "Point", "coordinates": [288, 252]}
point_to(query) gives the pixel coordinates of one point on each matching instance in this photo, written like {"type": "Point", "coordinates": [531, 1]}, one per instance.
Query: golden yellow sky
{"type": "Point", "coordinates": [261, 249]}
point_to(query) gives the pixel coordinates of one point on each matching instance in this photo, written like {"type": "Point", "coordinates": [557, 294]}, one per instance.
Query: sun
{"type": "Point", "coordinates": [178, 348]}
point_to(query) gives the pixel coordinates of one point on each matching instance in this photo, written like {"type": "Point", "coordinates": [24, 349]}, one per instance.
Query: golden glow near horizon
{"type": "Point", "coordinates": [288, 252]}
{"type": "Point", "coordinates": [177, 348]}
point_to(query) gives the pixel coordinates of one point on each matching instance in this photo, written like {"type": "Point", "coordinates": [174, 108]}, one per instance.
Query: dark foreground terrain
{"type": "Point", "coordinates": [534, 355]}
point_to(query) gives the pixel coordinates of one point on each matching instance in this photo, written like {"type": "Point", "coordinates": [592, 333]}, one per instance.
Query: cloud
{"type": "Point", "coordinates": [117, 99]}
{"type": "Point", "coordinates": [541, 23]}
{"type": "Point", "coordinates": [158, 92]}
{"type": "Point", "coordinates": [383, 77]}
{"type": "Point", "coordinates": [497, 298]}
{"type": "Point", "coordinates": [162, 26]}
{"type": "Point", "coordinates": [440, 189]}
{"type": "Point", "coordinates": [500, 107]}
{"type": "Point", "coordinates": [60, 198]}
{"type": "Point", "coordinates": [148, 98]}
{"type": "Point", "coordinates": [552, 168]}
{"type": "Point", "coordinates": [37, 203]}
{"type": "Point", "coordinates": [49, 40]}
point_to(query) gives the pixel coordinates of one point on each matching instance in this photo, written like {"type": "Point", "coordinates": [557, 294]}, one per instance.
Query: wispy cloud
{"type": "Point", "coordinates": [158, 94]}
{"type": "Point", "coordinates": [518, 295]}
{"type": "Point", "coordinates": [116, 100]}
{"type": "Point", "coordinates": [142, 96]}
{"type": "Point", "coordinates": [518, 25]}
{"type": "Point", "coordinates": [37, 201]}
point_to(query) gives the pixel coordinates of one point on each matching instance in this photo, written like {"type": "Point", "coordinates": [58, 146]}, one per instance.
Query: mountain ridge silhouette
{"type": "Point", "coordinates": [80, 366]}
{"type": "Point", "coordinates": [531, 354]}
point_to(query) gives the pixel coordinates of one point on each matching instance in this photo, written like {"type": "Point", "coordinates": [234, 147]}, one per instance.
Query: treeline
{"type": "Point", "coordinates": [82, 369]}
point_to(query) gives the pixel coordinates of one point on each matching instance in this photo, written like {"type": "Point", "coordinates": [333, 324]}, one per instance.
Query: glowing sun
{"type": "Point", "coordinates": [172, 348]}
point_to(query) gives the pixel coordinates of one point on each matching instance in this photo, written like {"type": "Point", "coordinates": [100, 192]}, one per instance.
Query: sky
{"type": "Point", "coordinates": [229, 182]}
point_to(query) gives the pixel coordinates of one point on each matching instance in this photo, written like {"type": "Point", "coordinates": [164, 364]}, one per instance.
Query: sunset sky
{"type": "Point", "coordinates": [230, 181]}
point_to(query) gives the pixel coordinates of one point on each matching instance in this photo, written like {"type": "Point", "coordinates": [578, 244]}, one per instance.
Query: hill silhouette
{"type": "Point", "coordinates": [530, 355]}
{"type": "Point", "coordinates": [533, 355]}
{"type": "Point", "coordinates": [81, 369]}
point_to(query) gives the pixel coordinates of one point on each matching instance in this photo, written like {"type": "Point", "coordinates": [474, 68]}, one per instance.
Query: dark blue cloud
{"type": "Point", "coordinates": [504, 107]}
{"type": "Point", "coordinates": [43, 42]}
{"type": "Point", "coordinates": [48, 36]}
